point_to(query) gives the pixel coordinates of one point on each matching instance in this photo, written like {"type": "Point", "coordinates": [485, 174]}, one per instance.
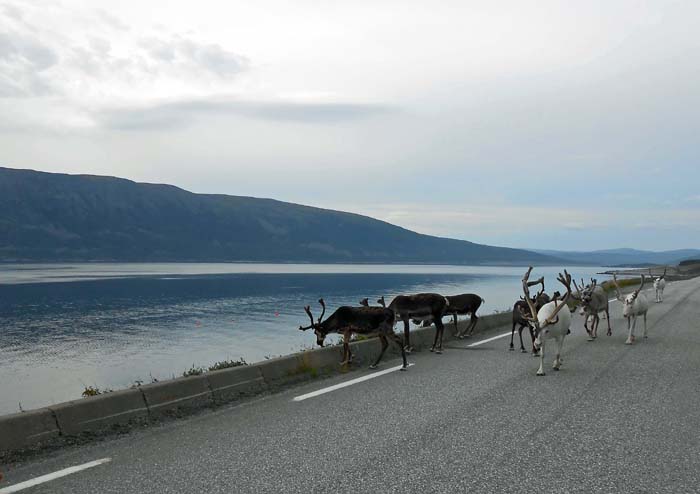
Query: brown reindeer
{"type": "Point", "coordinates": [359, 320]}
{"type": "Point", "coordinates": [419, 307]}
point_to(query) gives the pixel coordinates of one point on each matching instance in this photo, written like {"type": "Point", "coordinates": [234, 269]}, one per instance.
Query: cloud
{"type": "Point", "coordinates": [23, 59]}
{"type": "Point", "coordinates": [211, 57]}
{"type": "Point", "coordinates": [181, 113]}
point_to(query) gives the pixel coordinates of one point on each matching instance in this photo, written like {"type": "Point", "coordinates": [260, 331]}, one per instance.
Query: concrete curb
{"type": "Point", "coordinates": [22, 430]}
{"type": "Point", "coordinates": [100, 412]}
{"type": "Point", "coordinates": [178, 396]}
{"type": "Point", "coordinates": [233, 384]}
{"type": "Point", "coordinates": [184, 395]}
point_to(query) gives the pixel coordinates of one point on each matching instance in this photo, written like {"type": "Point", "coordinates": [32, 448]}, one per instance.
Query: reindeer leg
{"type": "Point", "coordinates": [535, 353]}
{"type": "Point", "coordinates": [385, 344]}
{"type": "Point", "coordinates": [346, 348]}
{"type": "Point", "coordinates": [475, 319]}
{"type": "Point", "coordinates": [607, 317]}
{"type": "Point", "coordinates": [439, 330]}
{"type": "Point", "coordinates": [520, 335]}
{"type": "Point", "coordinates": [512, 334]}
{"type": "Point", "coordinates": [435, 340]}
{"type": "Point", "coordinates": [645, 325]}
{"type": "Point", "coordinates": [406, 336]}
{"type": "Point", "coordinates": [629, 331]}
{"type": "Point", "coordinates": [557, 359]}
{"type": "Point", "coordinates": [540, 371]}
{"type": "Point", "coordinates": [454, 318]}
{"type": "Point", "coordinates": [397, 339]}
{"type": "Point", "coordinates": [596, 323]}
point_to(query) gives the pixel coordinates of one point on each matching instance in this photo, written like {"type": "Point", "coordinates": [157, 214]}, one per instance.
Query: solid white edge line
{"type": "Point", "coordinates": [52, 476]}
{"type": "Point", "coordinates": [346, 384]}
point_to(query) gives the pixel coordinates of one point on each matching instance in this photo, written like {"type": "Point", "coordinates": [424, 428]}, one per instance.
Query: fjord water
{"type": "Point", "coordinates": [67, 326]}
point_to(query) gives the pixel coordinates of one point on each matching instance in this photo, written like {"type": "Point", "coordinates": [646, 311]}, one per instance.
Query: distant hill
{"type": "Point", "coordinates": [625, 257]}
{"type": "Point", "coordinates": [58, 217]}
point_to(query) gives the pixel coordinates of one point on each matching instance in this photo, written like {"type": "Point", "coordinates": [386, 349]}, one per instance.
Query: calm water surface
{"type": "Point", "coordinates": [67, 326]}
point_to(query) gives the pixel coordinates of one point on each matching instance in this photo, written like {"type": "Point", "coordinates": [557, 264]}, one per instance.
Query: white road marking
{"type": "Point", "coordinates": [52, 476]}
{"type": "Point", "coordinates": [490, 339]}
{"type": "Point", "coordinates": [329, 389]}
{"type": "Point", "coordinates": [319, 392]}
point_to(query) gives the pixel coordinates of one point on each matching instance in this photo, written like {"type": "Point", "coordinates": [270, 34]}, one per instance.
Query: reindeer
{"type": "Point", "coordinates": [419, 307]}
{"type": "Point", "coordinates": [550, 321]}
{"type": "Point", "coordinates": [659, 285]}
{"type": "Point", "coordinates": [520, 311]}
{"type": "Point", "coordinates": [633, 305]}
{"type": "Point", "coordinates": [359, 320]}
{"type": "Point", "coordinates": [464, 304]}
{"type": "Point", "coordinates": [593, 300]}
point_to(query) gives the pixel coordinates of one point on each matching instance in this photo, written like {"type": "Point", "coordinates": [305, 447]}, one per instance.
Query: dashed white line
{"type": "Point", "coordinates": [490, 339]}
{"type": "Point", "coordinates": [346, 384]}
{"type": "Point", "coordinates": [52, 476]}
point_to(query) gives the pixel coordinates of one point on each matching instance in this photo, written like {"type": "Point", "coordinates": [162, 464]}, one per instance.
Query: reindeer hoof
{"type": "Point", "coordinates": [404, 368]}
{"type": "Point", "coordinates": [555, 368]}
{"type": "Point", "coordinates": [373, 366]}
{"type": "Point", "coordinates": [439, 352]}
{"type": "Point", "coordinates": [511, 349]}
{"type": "Point", "coordinates": [432, 349]}
{"type": "Point", "coordinates": [628, 342]}
{"type": "Point", "coordinates": [522, 350]}
{"type": "Point", "coordinates": [541, 374]}
{"type": "Point", "coordinates": [408, 349]}
{"type": "Point", "coordinates": [590, 338]}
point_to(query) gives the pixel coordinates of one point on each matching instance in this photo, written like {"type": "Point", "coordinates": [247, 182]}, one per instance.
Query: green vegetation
{"type": "Point", "coordinates": [94, 391]}
{"type": "Point", "coordinates": [194, 371]}
{"type": "Point", "coordinates": [226, 364]}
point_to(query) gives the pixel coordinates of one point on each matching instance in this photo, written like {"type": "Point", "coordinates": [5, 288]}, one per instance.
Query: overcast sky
{"type": "Point", "coordinates": [541, 124]}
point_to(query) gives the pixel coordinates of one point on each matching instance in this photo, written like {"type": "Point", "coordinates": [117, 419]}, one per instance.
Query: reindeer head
{"type": "Point", "coordinates": [317, 326]}
{"type": "Point", "coordinates": [541, 324]}
{"type": "Point", "coordinates": [629, 300]}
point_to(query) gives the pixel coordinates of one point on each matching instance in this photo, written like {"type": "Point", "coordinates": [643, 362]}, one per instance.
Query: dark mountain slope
{"type": "Point", "coordinates": [58, 217]}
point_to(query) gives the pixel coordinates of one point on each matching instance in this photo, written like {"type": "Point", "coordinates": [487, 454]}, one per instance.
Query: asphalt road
{"type": "Point", "coordinates": [616, 418]}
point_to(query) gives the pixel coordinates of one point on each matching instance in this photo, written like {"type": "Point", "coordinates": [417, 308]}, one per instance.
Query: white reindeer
{"type": "Point", "coordinates": [633, 305]}
{"type": "Point", "coordinates": [659, 285]}
{"type": "Point", "coordinates": [551, 321]}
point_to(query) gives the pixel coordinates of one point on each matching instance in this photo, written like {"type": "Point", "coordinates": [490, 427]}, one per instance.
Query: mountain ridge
{"type": "Point", "coordinates": [50, 217]}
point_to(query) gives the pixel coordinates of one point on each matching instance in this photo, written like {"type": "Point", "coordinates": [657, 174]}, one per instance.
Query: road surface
{"type": "Point", "coordinates": [616, 418]}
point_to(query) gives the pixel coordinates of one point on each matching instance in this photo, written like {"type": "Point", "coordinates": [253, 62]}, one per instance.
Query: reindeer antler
{"type": "Point", "coordinates": [636, 292]}
{"type": "Point", "coordinates": [323, 304]}
{"type": "Point", "coordinates": [617, 288]}
{"type": "Point", "coordinates": [307, 309]}
{"type": "Point", "coordinates": [566, 281]}
{"type": "Point", "coordinates": [526, 290]}
{"type": "Point", "coordinates": [579, 291]}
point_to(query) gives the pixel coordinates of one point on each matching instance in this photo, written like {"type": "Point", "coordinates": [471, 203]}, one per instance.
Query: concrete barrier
{"type": "Point", "coordinates": [233, 384]}
{"type": "Point", "coordinates": [101, 412]}
{"type": "Point", "coordinates": [26, 429]}
{"type": "Point", "coordinates": [183, 395]}
{"type": "Point", "coordinates": [322, 360]}
{"type": "Point", "coordinates": [284, 370]}
{"type": "Point", "coordinates": [177, 396]}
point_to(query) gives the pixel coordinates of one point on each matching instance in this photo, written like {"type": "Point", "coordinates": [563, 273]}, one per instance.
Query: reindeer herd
{"type": "Point", "coordinates": [543, 315]}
